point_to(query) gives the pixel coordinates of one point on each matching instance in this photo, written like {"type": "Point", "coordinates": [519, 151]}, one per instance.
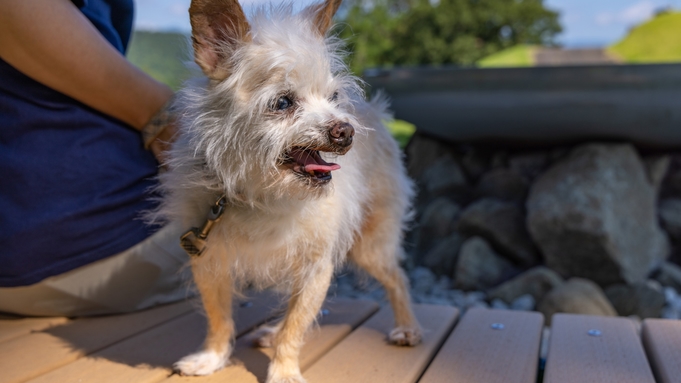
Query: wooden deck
{"type": "Point", "coordinates": [484, 346]}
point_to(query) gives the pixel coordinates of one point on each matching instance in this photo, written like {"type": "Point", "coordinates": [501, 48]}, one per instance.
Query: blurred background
{"type": "Point", "coordinates": [385, 33]}
{"type": "Point", "coordinates": [417, 33]}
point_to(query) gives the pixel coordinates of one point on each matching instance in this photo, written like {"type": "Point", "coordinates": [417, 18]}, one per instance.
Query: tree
{"type": "Point", "coordinates": [384, 33]}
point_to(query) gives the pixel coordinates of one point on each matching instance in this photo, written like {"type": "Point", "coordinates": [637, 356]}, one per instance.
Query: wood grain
{"type": "Point", "coordinates": [615, 356]}
{"type": "Point", "coordinates": [478, 353]}
{"type": "Point", "coordinates": [27, 356]}
{"type": "Point", "coordinates": [14, 327]}
{"type": "Point", "coordinates": [250, 364]}
{"type": "Point", "coordinates": [366, 356]}
{"type": "Point", "coordinates": [662, 341]}
{"type": "Point", "coordinates": [148, 357]}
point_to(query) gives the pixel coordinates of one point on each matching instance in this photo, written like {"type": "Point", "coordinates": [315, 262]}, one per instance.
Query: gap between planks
{"type": "Point", "coordinates": [366, 356]}
{"type": "Point", "coordinates": [30, 355]}
{"type": "Point", "coordinates": [662, 341]}
{"type": "Point", "coordinates": [490, 346]}
{"type": "Point", "coordinates": [250, 363]}
{"type": "Point", "coordinates": [15, 327]}
{"type": "Point", "coordinates": [148, 357]}
{"type": "Point", "coordinates": [594, 349]}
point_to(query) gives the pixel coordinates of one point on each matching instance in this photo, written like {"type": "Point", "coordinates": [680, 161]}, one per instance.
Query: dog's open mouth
{"type": "Point", "coordinates": [308, 163]}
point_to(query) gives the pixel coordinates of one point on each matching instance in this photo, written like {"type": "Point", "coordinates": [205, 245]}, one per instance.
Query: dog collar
{"type": "Point", "coordinates": [194, 240]}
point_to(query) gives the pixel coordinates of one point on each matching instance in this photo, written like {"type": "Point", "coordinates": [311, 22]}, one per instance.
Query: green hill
{"type": "Point", "coordinates": [655, 41]}
{"type": "Point", "coordinates": [162, 55]}
{"type": "Point", "coordinates": [517, 56]}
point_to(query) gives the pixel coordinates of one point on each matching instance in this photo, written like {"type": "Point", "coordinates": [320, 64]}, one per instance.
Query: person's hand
{"type": "Point", "coordinates": [161, 145]}
{"type": "Point", "coordinates": [160, 132]}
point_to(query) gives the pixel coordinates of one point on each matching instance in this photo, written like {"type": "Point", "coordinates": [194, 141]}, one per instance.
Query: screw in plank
{"type": "Point", "coordinates": [594, 332]}
{"type": "Point", "coordinates": [497, 326]}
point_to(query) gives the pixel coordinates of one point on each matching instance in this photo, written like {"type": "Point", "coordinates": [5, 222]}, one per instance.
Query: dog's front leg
{"type": "Point", "coordinates": [215, 285]}
{"type": "Point", "coordinates": [307, 297]}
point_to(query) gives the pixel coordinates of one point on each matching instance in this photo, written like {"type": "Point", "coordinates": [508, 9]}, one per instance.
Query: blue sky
{"type": "Point", "coordinates": [586, 23]}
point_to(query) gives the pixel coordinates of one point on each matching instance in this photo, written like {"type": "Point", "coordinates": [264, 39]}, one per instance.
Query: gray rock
{"type": "Point", "coordinates": [442, 258]}
{"type": "Point", "coordinates": [457, 298]}
{"type": "Point", "coordinates": [669, 275]}
{"type": "Point", "coordinates": [558, 154]}
{"type": "Point", "coordinates": [576, 296]}
{"type": "Point", "coordinates": [672, 299]}
{"type": "Point", "coordinates": [643, 299]}
{"type": "Point", "coordinates": [536, 282]}
{"type": "Point", "coordinates": [670, 216]}
{"type": "Point", "coordinates": [443, 177]}
{"type": "Point", "coordinates": [656, 169]}
{"type": "Point", "coordinates": [498, 304]}
{"type": "Point", "coordinates": [671, 185]}
{"type": "Point", "coordinates": [593, 216]}
{"type": "Point", "coordinates": [503, 225]}
{"type": "Point", "coordinates": [475, 299]}
{"type": "Point", "coordinates": [524, 303]}
{"type": "Point", "coordinates": [422, 280]}
{"type": "Point", "coordinates": [670, 313]}
{"type": "Point", "coordinates": [479, 267]}
{"type": "Point", "coordinates": [474, 163]}
{"type": "Point", "coordinates": [529, 165]}
{"type": "Point", "coordinates": [422, 152]}
{"type": "Point", "coordinates": [503, 184]}
{"type": "Point", "coordinates": [498, 160]}
{"type": "Point", "coordinates": [438, 221]}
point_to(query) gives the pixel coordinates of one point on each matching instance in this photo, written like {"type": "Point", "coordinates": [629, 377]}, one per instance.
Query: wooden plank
{"type": "Point", "coordinates": [147, 357]}
{"type": "Point", "coordinates": [662, 341]}
{"type": "Point", "coordinates": [365, 355]}
{"type": "Point", "coordinates": [14, 327]}
{"type": "Point", "coordinates": [250, 363]}
{"type": "Point", "coordinates": [490, 346]}
{"type": "Point", "coordinates": [27, 356]}
{"type": "Point", "coordinates": [596, 349]}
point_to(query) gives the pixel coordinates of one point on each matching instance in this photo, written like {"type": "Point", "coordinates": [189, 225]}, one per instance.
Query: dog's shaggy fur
{"type": "Point", "coordinates": [277, 94]}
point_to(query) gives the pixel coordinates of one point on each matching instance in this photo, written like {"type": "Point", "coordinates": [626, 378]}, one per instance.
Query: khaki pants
{"type": "Point", "coordinates": [152, 272]}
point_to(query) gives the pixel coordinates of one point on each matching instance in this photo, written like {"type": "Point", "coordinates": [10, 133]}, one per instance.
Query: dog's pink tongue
{"type": "Point", "coordinates": [311, 161]}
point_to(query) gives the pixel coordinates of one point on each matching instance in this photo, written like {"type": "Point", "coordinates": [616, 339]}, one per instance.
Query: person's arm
{"type": "Point", "coordinates": [52, 42]}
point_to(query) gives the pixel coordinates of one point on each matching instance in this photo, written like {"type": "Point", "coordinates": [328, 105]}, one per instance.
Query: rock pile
{"type": "Point", "coordinates": [594, 228]}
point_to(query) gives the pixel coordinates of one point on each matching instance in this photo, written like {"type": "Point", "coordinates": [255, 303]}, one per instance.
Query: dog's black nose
{"type": "Point", "coordinates": [341, 134]}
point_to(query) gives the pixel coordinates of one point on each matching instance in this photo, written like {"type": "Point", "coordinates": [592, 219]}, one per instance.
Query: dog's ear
{"type": "Point", "coordinates": [216, 25]}
{"type": "Point", "coordinates": [323, 14]}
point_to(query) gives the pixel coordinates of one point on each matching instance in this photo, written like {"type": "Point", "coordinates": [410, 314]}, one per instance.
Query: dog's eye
{"type": "Point", "coordinates": [283, 103]}
{"type": "Point", "coordinates": [334, 97]}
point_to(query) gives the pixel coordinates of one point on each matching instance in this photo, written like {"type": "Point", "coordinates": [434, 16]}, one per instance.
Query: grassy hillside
{"type": "Point", "coordinates": [401, 131]}
{"type": "Point", "coordinates": [517, 56]}
{"type": "Point", "coordinates": [655, 41]}
{"type": "Point", "coordinates": [162, 55]}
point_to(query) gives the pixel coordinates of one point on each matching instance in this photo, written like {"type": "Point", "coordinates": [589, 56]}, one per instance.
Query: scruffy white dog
{"type": "Point", "coordinates": [252, 171]}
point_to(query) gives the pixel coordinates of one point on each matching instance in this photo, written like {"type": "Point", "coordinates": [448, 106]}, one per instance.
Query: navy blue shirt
{"type": "Point", "coordinates": [73, 181]}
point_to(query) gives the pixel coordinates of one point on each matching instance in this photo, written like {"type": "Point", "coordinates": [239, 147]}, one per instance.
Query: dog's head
{"type": "Point", "coordinates": [280, 102]}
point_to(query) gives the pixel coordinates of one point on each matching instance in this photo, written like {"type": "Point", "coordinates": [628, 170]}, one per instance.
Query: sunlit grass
{"type": "Point", "coordinates": [401, 131]}
{"type": "Point", "coordinates": [655, 41]}
{"type": "Point", "coordinates": [517, 56]}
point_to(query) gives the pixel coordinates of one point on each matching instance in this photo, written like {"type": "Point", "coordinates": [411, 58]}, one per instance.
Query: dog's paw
{"type": "Point", "coordinates": [405, 336]}
{"type": "Point", "coordinates": [201, 363]}
{"type": "Point", "coordinates": [264, 336]}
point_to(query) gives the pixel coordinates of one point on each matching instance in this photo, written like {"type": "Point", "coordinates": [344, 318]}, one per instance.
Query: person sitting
{"type": "Point", "coordinates": [74, 167]}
